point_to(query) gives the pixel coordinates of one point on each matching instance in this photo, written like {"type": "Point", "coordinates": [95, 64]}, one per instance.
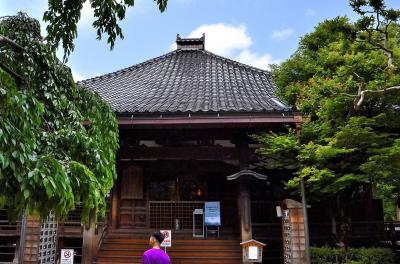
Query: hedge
{"type": "Point", "coordinates": [325, 255]}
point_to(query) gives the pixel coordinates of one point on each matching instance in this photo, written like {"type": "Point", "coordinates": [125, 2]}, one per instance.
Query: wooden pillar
{"type": "Point", "coordinates": [114, 207]}
{"type": "Point", "coordinates": [88, 239]}
{"type": "Point", "coordinates": [244, 205]}
{"type": "Point", "coordinates": [32, 240]}
{"type": "Point", "coordinates": [244, 198]}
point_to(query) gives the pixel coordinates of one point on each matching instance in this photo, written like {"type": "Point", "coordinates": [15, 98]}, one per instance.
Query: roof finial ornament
{"type": "Point", "coordinates": [190, 43]}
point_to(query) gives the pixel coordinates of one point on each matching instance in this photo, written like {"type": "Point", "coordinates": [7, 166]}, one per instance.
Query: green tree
{"type": "Point", "coordinates": [345, 77]}
{"type": "Point", "coordinates": [63, 17]}
{"type": "Point", "coordinates": [50, 160]}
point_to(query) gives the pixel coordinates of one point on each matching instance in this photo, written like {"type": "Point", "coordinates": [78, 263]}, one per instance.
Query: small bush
{"type": "Point", "coordinates": [326, 255]}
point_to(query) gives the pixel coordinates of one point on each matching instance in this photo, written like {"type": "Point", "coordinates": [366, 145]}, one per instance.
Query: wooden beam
{"type": "Point", "coordinates": [195, 122]}
{"type": "Point", "coordinates": [179, 153]}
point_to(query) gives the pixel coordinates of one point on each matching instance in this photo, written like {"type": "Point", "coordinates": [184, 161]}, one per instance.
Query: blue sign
{"type": "Point", "coordinates": [212, 214]}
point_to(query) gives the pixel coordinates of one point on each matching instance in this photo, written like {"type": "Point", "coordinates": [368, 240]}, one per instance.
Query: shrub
{"type": "Point", "coordinates": [326, 255]}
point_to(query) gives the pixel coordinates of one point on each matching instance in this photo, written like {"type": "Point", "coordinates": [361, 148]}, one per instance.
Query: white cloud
{"type": "Point", "coordinates": [310, 12]}
{"type": "Point", "coordinates": [86, 14]}
{"type": "Point", "coordinates": [223, 39]}
{"type": "Point", "coordinates": [77, 76]}
{"type": "Point", "coordinates": [233, 42]}
{"type": "Point", "coordinates": [260, 61]}
{"type": "Point", "coordinates": [282, 34]}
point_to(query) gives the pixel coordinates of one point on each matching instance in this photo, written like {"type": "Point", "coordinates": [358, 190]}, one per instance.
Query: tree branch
{"type": "Point", "coordinates": [360, 96]}
{"type": "Point", "coordinates": [6, 41]}
{"type": "Point", "coordinates": [15, 75]}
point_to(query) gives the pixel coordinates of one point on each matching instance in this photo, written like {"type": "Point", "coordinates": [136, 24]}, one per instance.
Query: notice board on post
{"type": "Point", "coordinates": [167, 238]}
{"type": "Point", "coordinates": [67, 256]}
{"type": "Point", "coordinates": [212, 214]}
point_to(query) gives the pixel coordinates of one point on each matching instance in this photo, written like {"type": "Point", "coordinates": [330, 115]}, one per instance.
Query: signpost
{"type": "Point", "coordinates": [212, 215]}
{"type": "Point", "coordinates": [67, 256]}
{"type": "Point", "coordinates": [167, 239]}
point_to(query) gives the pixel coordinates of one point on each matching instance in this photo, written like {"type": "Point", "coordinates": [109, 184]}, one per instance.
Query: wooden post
{"type": "Point", "coordinates": [30, 248]}
{"type": "Point", "coordinates": [293, 233]}
{"type": "Point", "coordinates": [88, 239]}
{"type": "Point", "coordinates": [244, 203]}
{"type": "Point", "coordinates": [114, 207]}
{"type": "Point", "coordinates": [244, 198]}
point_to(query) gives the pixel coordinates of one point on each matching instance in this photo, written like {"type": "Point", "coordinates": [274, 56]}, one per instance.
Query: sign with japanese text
{"type": "Point", "coordinates": [212, 214]}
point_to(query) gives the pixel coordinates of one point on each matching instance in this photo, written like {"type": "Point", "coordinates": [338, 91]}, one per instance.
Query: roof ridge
{"type": "Point", "coordinates": [188, 81]}
{"type": "Point", "coordinates": [241, 64]}
{"type": "Point", "coordinates": [127, 69]}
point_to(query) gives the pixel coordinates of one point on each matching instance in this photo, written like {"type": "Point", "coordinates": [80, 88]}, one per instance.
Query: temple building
{"type": "Point", "coordinates": [185, 124]}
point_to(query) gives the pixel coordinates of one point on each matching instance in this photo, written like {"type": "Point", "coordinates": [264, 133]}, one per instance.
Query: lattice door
{"type": "Point", "coordinates": [48, 239]}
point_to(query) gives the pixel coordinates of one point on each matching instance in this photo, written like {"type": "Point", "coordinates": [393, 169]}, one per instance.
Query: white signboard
{"type": "Point", "coordinates": [253, 252]}
{"type": "Point", "coordinates": [167, 238]}
{"type": "Point", "coordinates": [67, 256]}
{"type": "Point", "coordinates": [212, 214]}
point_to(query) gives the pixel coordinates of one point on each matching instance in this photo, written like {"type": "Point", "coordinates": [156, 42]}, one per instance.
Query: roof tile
{"type": "Point", "coordinates": [188, 81]}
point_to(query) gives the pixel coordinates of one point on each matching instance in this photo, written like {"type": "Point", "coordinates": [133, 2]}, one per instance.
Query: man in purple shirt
{"type": "Point", "coordinates": [155, 255]}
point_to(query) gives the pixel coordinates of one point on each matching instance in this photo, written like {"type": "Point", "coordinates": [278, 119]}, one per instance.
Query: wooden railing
{"type": "Point", "coordinates": [71, 227]}
{"type": "Point", "coordinates": [163, 213]}
{"type": "Point", "coordinates": [7, 228]}
{"type": "Point", "coordinates": [9, 235]}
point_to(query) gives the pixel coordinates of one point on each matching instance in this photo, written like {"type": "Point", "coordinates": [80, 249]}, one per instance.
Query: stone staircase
{"type": "Point", "coordinates": [118, 249]}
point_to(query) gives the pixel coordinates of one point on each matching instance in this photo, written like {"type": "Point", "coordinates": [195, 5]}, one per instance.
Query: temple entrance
{"type": "Point", "coordinates": [164, 194]}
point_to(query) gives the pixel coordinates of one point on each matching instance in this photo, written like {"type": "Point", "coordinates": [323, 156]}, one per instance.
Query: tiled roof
{"type": "Point", "coordinates": [188, 81]}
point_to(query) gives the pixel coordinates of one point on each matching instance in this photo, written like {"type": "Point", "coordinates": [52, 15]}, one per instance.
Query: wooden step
{"type": "Point", "coordinates": [129, 248]}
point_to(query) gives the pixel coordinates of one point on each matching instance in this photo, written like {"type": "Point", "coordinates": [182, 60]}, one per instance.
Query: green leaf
{"type": "Point", "coordinates": [26, 193]}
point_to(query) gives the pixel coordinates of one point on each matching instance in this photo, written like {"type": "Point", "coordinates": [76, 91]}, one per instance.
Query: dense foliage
{"type": "Point", "coordinates": [63, 17]}
{"type": "Point", "coordinates": [49, 160]}
{"type": "Point", "coordinates": [325, 255]}
{"type": "Point", "coordinates": [341, 79]}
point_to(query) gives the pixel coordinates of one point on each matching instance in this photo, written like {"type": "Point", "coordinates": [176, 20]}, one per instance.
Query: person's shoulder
{"type": "Point", "coordinates": [148, 252]}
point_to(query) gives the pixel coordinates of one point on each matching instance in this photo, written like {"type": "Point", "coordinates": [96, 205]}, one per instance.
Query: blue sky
{"type": "Point", "coordinates": [256, 32]}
